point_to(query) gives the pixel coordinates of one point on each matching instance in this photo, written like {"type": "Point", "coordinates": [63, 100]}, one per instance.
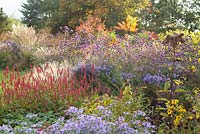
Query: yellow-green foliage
{"type": "Point", "coordinates": [129, 25]}
{"type": "Point", "coordinates": [91, 106]}
{"type": "Point", "coordinates": [196, 103]}
{"type": "Point", "coordinates": [195, 36]}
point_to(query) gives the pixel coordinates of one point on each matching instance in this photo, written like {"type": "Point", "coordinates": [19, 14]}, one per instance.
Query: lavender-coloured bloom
{"type": "Point", "coordinates": [114, 80]}
{"type": "Point", "coordinates": [100, 108]}
{"type": "Point", "coordinates": [87, 124]}
{"type": "Point", "coordinates": [139, 113]}
{"type": "Point", "coordinates": [135, 122]}
{"type": "Point", "coordinates": [153, 79]}
{"type": "Point", "coordinates": [120, 120]}
{"type": "Point", "coordinates": [74, 111]}
{"type": "Point", "coordinates": [6, 129]}
{"type": "Point", "coordinates": [126, 76]}
{"type": "Point", "coordinates": [104, 68]}
{"type": "Point", "coordinates": [148, 125]}
{"type": "Point", "coordinates": [124, 128]}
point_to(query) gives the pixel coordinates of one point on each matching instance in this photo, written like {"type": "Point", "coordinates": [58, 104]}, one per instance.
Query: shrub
{"type": "Point", "coordinates": [11, 55]}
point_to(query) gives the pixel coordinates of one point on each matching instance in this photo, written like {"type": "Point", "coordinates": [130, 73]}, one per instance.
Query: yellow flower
{"type": "Point", "coordinates": [175, 101]}
{"type": "Point", "coordinates": [178, 117]}
{"type": "Point", "coordinates": [182, 110]}
{"type": "Point", "coordinates": [176, 123]}
{"type": "Point", "coordinates": [177, 120]}
{"type": "Point", "coordinates": [193, 68]}
{"type": "Point", "coordinates": [169, 111]}
{"type": "Point", "coordinates": [199, 60]}
{"type": "Point", "coordinates": [190, 117]}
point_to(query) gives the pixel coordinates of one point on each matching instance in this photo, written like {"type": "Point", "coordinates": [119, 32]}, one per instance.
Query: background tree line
{"type": "Point", "coordinates": [153, 15]}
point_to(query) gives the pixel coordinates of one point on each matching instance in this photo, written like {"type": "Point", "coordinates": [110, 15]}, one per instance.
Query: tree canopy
{"type": "Point", "coordinates": [3, 21]}
{"type": "Point", "coordinates": [165, 15]}
{"type": "Point", "coordinates": [153, 15]}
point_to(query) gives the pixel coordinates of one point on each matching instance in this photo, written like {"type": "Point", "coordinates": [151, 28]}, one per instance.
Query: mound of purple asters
{"type": "Point", "coordinates": [154, 79]}
{"type": "Point", "coordinates": [83, 124]}
{"type": "Point", "coordinates": [93, 124]}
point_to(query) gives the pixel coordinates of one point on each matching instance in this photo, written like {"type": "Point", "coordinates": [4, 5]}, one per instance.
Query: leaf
{"type": "Point", "coordinates": [178, 82]}
{"type": "Point", "coordinates": [180, 90]}
{"type": "Point", "coordinates": [167, 85]}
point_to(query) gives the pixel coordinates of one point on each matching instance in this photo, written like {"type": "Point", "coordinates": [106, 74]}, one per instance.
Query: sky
{"type": "Point", "coordinates": [12, 7]}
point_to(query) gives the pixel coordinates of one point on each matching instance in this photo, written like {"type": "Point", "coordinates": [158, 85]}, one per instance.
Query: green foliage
{"type": "Point", "coordinates": [16, 58]}
{"type": "Point", "coordinates": [3, 21]}
{"type": "Point", "coordinates": [22, 119]}
{"type": "Point", "coordinates": [37, 12]}
{"type": "Point", "coordinates": [111, 79]}
{"type": "Point", "coordinates": [58, 13]}
{"type": "Point", "coordinates": [32, 12]}
{"type": "Point", "coordinates": [165, 15]}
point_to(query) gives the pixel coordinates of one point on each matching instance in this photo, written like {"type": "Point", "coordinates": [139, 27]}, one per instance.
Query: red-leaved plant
{"type": "Point", "coordinates": [36, 92]}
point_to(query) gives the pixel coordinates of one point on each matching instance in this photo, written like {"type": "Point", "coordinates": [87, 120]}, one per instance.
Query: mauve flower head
{"type": "Point", "coordinates": [101, 108]}
{"type": "Point", "coordinates": [153, 79]}
{"type": "Point", "coordinates": [125, 76]}
{"type": "Point", "coordinates": [104, 112]}
{"type": "Point", "coordinates": [104, 68]}
{"type": "Point", "coordinates": [148, 125]}
{"type": "Point", "coordinates": [139, 113]}
{"type": "Point", "coordinates": [6, 129]}
{"type": "Point", "coordinates": [124, 128]}
{"type": "Point", "coordinates": [120, 120]}
{"type": "Point", "coordinates": [74, 111]}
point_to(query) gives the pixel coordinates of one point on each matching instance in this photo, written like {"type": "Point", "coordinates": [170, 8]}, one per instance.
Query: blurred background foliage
{"type": "Point", "coordinates": [153, 15]}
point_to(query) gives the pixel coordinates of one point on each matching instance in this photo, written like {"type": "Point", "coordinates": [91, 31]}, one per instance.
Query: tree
{"type": "Point", "coordinates": [3, 21]}
{"type": "Point", "coordinates": [165, 15]}
{"type": "Point", "coordinates": [191, 14]}
{"type": "Point", "coordinates": [37, 13]}
{"type": "Point", "coordinates": [111, 11]}
{"type": "Point", "coordinates": [32, 13]}
{"type": "Point", "coordinates": [58, 13]}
